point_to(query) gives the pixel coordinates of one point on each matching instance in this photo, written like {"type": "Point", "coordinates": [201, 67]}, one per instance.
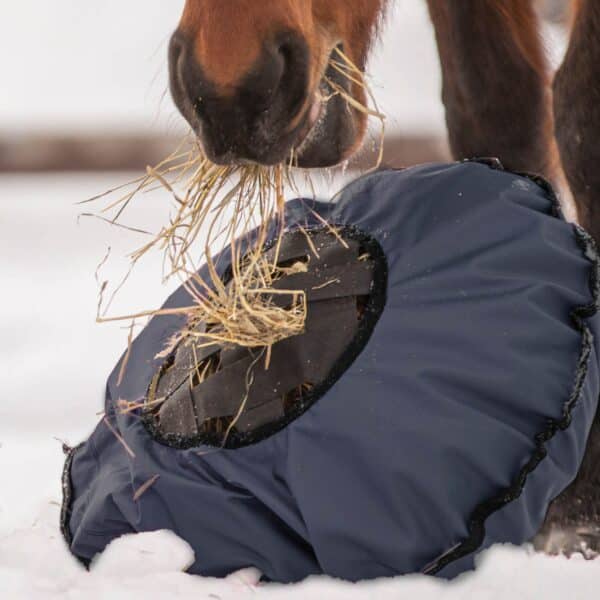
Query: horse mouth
{"type": "Point", "coordinates": [238, 129]}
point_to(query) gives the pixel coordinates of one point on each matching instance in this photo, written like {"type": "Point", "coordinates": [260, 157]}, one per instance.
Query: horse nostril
{"type": "Point", "coordinates": [278, 82]}
{"type": "Point", "coordinates": [264, 82]}
{"type": "Point", "coordinates": [177, 46]}
{"type": "Point", "coordinates": [177, 76]}
{"type": "Point", "coordinates": [294, 81]}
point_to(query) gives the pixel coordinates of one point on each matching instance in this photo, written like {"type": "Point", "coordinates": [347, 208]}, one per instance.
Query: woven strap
{"type": "Point", "coordinates": [242, 388]}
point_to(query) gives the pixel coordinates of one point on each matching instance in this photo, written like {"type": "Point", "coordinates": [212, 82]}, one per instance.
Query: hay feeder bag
{"type": "Point", "coordinates": [439, 398]}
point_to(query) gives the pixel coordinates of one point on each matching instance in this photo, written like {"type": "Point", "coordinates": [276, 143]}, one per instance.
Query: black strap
{"type": "Point", "coordinates": [241, 387]}
{"type": "Point", "coordinates": [292, 364]}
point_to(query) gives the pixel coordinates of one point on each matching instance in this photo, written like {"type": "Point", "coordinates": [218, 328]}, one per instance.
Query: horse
{"type": "Point", "coordinates": [253, 80]}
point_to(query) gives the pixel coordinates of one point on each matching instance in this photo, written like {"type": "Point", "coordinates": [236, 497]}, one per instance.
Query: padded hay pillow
{"type": "Point", "coordinates": [453, 402]}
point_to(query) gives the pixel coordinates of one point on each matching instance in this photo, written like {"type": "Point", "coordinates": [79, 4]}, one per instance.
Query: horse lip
{"type": "Point", "coordinates": [316, 112]}
{"type": "Point", "coordinates": [313, 116]}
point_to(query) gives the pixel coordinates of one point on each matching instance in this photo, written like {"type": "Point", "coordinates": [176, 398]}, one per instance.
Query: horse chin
{"type": "Point", "coordinates": [333, 130]}
{"type": "Point", "coordinates": [331, 133]}
{"type": "Point", "coordinates": [332, 139]}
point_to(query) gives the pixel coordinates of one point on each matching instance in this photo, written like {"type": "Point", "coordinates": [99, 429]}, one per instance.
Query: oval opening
{"type": "Point", "coordinates": [224, 395]}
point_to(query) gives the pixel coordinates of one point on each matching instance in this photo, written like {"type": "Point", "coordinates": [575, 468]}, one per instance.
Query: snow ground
{"type": "Point", "coordinates": [54, 363]}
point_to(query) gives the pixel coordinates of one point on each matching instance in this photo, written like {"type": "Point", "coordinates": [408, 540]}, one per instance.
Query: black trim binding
{"type": "Point", "coordinates": [578, 315]}
{"type": "Point", "coordinates": [67, 500]}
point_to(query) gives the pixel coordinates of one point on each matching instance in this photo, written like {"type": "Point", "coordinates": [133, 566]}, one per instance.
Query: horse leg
{"type": "Point", "coordinates": [495, 82]}
{"type": "Point", "coordinates": [496, 94]}
{"type": "Point", "coordinates": [577, 114]}
{"type": "Point", "coordinates": [573, 521]}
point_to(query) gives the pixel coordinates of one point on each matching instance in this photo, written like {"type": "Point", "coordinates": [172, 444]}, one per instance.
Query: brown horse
{"type": "Point", "coordinates": [250, 75]}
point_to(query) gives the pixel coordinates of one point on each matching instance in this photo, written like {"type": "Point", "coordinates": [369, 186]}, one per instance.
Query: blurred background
{"type": "Point", "coordinates": [84, 85]}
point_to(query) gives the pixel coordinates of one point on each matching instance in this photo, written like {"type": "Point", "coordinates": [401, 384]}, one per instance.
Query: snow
{"type": "Point", "coordinates": [55, 360]}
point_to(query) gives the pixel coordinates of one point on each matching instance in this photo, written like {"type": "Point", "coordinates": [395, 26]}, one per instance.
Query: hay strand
{"type": "Point", "coordinates": [223, 205]}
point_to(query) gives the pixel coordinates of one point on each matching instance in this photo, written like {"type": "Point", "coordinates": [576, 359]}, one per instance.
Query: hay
{"type": "Point", "coordinates": [145, 487]}
{"type": "Point", "coordinates": [225, 203]}
{"type": "Point", "coordinates": [241, 312]}
{"type": "Point", "coordinates": [344, 65]}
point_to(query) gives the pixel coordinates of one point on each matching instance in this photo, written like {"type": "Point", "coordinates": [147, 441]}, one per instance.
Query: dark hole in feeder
{"type": "Point", "coordinates": [223, 395]}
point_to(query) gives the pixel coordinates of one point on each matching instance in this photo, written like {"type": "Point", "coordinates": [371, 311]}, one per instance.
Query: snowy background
{"type": "Point", "coordinates": [78, 66]}
{"type": "Point", "coordinates": [89, 66]}
{"type": "Point", "coordinates": [72, 66]}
